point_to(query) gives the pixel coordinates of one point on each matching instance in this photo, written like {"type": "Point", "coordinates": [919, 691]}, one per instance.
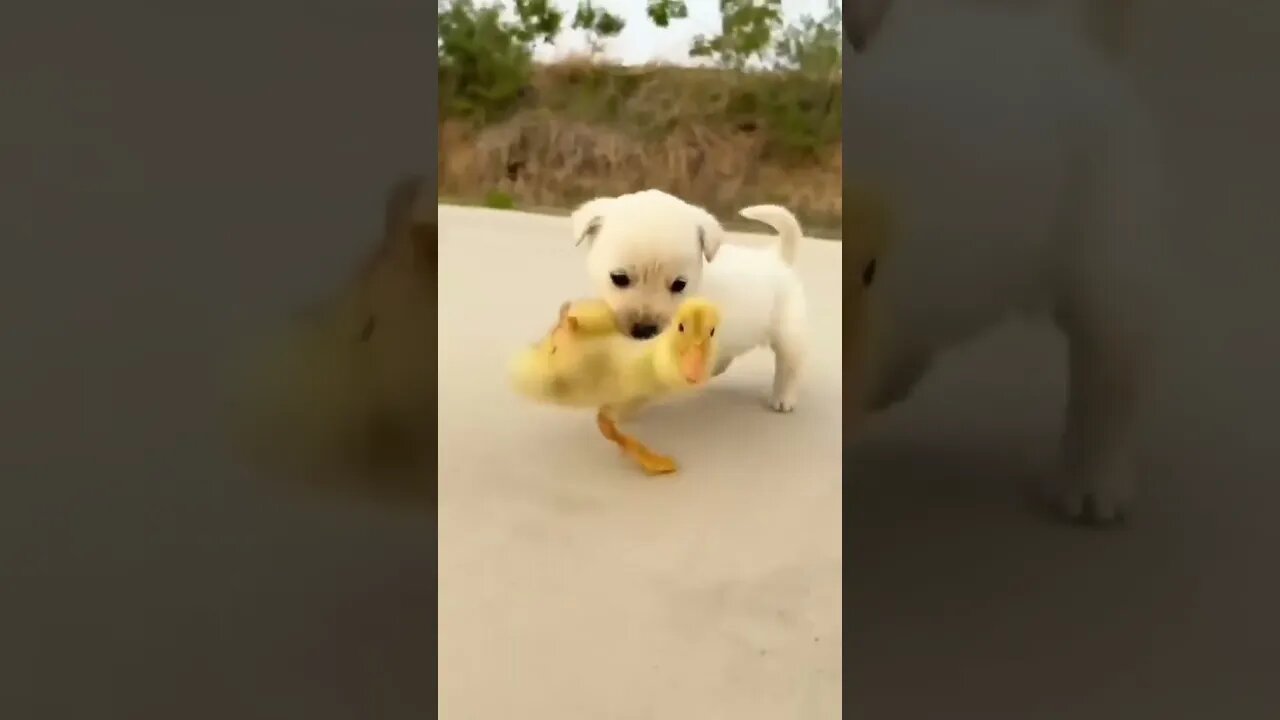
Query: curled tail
{"type": "Point", "coordinates": [781, 220]}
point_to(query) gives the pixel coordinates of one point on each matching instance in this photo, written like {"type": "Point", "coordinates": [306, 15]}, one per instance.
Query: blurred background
{"type": "Point", "coordinates": [962, 599]}
{"type": "Point", "coordinates": [544, 105]}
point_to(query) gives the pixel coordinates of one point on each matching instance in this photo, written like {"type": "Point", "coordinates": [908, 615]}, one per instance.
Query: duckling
{"type": "Point", "coordinates": [350, 383]}
{"type": "Point", "coordinates": [586, 361]}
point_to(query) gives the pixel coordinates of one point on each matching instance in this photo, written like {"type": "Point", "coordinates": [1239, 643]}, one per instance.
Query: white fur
{"type": "Point", "coordinates": [1021, 170]}
{"type": "Point", "coordinates": [654, 237]}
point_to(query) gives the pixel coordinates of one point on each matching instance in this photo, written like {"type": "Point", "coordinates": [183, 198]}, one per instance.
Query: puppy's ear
{"type": "Point", "coordinates": [588, 219]}
{"type": "Point", "coordinates": [710, 234]}
{"type": "Point", "coordinates": [862, 20]}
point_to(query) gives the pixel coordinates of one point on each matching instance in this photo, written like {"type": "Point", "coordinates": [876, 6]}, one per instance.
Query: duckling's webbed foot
{"type": "Point", "coordinates": [649, 461]}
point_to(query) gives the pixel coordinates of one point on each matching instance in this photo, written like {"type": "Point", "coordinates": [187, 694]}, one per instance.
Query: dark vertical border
{"type": "Point", "coordinates": [433, 175]}
{"type": "Point", "coordinates": [847, 58]}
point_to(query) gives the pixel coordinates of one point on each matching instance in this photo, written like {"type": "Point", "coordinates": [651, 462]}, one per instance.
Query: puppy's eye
{"type": "Point", "coordinates": [869, 273]}
{"type": "Point", "coordinates": [678, 285]}
{"type": "Point", "coordinates": [619, 279]}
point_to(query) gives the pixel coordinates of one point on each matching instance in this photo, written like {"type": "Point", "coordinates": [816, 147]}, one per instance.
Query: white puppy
{"type": "Point", "coordinates": [1023, 179]}
{"type": "Point", "coordinates": [646, 253]}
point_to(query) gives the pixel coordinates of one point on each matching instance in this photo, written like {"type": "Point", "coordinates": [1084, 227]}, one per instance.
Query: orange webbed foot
{"type": "Point", "coordinates": [649, 461]}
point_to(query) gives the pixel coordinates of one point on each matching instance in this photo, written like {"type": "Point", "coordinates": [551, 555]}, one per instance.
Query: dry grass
{"type": "Point", "coordinates": [718, 139]}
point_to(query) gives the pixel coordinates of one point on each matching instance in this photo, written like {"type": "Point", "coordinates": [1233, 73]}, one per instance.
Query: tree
{"type": "Point", "coordinates": [597, 24]}
{"type": "Point", "coordinates": [746, 29]}
{"type": "Point", "coordinates": [539, 21]}
{"type": "Point", "coordinates": [814, 45]}
{"type": "Point", "coordinates": [484, 64]}
{"type": "Point", "coordinates": [662, 12]}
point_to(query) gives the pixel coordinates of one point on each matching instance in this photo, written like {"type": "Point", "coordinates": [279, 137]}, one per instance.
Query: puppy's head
{"type": "Point", "coordinates": [645, 253]}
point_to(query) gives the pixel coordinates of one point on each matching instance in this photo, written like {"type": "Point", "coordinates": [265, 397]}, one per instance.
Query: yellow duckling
{"type": "Point", "coordinates": [586, 362]}
{"type": "Point", "coordinates": [350, 385]}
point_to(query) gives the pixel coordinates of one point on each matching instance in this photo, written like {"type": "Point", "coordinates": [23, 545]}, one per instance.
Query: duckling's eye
{"type": "Point", "coordinates": [680, 327]}
{"type": "Point", "coordinates": [712, 333]}
{"type": "Point", "coordinates": [619, 279]}
{"type": "Point", "coordinates": [678, 285]}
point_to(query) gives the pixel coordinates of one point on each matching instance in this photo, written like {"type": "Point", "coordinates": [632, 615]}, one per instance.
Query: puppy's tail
{"type": "Point", "coordinates": [781, 220]}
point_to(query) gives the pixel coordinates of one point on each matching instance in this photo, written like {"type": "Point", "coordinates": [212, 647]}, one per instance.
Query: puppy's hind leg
{"type": "Point", "coordinates": [789, 345]}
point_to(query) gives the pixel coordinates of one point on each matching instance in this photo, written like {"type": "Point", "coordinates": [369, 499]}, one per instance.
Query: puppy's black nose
{"type": "Point", "coordinates": [643, 331]}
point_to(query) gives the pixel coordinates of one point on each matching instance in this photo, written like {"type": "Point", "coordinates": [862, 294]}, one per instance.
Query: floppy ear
{"type": "Point", "coordinates": [588, 219]}
{"type": "Point", "coordinates": [862, 20]}
{"type": "Point", "coordinates": [710, 234]}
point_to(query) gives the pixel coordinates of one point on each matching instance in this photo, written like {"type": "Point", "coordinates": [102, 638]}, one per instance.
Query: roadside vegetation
{"type": "Point", "coordinates": [756, 119]}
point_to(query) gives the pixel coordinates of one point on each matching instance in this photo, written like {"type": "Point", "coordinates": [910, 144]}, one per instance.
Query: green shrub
{"type": "Point", "coordinates": [499, 200]}
{"type": "Point", "coordinates": [484, 67]}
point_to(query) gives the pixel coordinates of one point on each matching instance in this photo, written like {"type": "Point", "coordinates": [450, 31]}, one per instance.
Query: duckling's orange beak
{"type": "Point", "coordinates": [694, 362]}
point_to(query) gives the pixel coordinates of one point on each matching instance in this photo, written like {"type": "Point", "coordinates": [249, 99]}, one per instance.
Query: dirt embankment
{"type": "Point", "coordinates": [720, 139]}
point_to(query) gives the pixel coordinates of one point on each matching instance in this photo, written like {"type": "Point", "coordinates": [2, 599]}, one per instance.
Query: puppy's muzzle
{"type": "Point", "coordinates": [644, 330]}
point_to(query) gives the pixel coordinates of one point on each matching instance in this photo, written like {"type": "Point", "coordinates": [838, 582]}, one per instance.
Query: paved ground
{"type": "Point", "coordinates": [571, 586]}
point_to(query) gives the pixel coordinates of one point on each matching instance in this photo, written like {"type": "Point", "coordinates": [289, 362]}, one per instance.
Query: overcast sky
{"type": "Point", "coordinates": [641, 41]}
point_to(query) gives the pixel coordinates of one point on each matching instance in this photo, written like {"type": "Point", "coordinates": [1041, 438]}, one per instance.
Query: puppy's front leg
{"type": "Point", "coordinates": [1096, 483]}
{"type": "Point", "coordinates": [722, 365]}
{"type": "Point", "coordinates": [894, 382]}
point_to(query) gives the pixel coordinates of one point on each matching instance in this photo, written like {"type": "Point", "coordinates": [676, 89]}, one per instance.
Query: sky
{"type": "Point", "coordinates": [642, 41]}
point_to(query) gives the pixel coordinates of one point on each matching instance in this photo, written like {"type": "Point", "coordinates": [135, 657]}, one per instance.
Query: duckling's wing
{"type": "Point", "coordinates": [594, 317]}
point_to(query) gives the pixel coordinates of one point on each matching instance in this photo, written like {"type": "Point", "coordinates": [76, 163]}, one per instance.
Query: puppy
{"type": "Point", "coordinates": [1023, 178]}
{"type": "Point", "coordinates": [647, 251]}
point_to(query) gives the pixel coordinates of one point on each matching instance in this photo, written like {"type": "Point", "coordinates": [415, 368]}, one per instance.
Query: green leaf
{"type": "Point", "coordinates": [662, 12]}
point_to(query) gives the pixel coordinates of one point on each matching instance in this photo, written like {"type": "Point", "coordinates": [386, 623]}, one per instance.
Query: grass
{"type": "Point", "coordinates": [499, 200]}
{"type": "Point", "coordinates": [720, 139]}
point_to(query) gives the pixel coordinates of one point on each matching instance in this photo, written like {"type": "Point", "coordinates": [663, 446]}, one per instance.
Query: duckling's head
{"type": "Point", "coordinates": [691, 336]}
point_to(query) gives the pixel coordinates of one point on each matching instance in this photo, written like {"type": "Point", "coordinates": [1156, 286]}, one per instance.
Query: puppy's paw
{"type": "Point", "coordinates": [782, 403]}
{"type": "Point", "coordinates": [1102, 497]}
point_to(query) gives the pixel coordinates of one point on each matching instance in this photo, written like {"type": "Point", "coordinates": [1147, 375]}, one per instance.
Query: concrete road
{"type": "Point", "coordinates": [572, 586]}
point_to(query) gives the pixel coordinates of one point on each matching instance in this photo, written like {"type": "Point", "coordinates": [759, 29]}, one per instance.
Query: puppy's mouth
{"type": "Point", "coordinates": [645, 328]}
{"type": "Point", "coordinates": [643, 331]}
